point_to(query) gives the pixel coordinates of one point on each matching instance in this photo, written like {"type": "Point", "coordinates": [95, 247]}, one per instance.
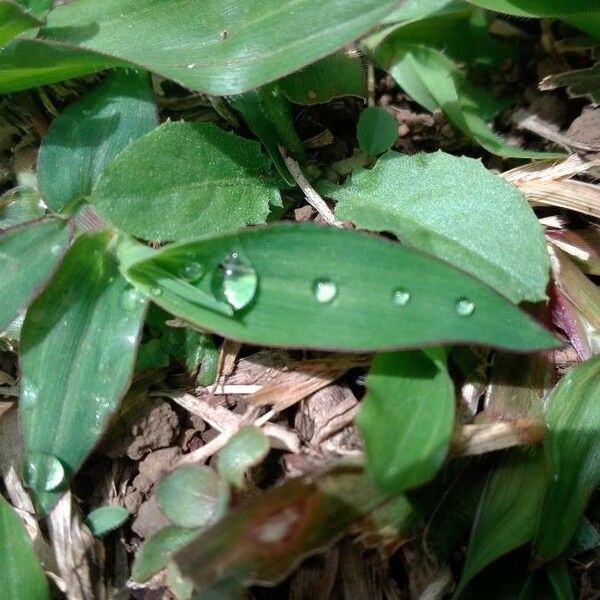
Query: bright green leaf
{"type": "Point", "coordinates": [216, 46]}
{"type": "Point", "coordinates": [36, 7]}
{"type": "Point", "coordinates": [572, 447]}
{"type": "Point", "coordinates": [105, 519]}
{"type": "Point", "coordinates": [243, 451]}
{"type": "Point", "coordinates": [406, 419]}
{"type": "Point", "coordinates": [14, 20]}
{"type": "Point", "coordinates": [183, 180]}
{"type": "Point", "coordinates": [87, 135]}
{"type": "Point", "coordinates": [540, 8]}
{"type": "Point", "coordinates": [376, 131]}
{"type": "Point", "coordinates": [454, 208]}
{"type": "Point", "coordinates": [78, 348]}
{"type": "Point", "coordinates": [29, 255]}
{"type": "Point", "coordinates": [192, 496]}
{"type": "Point", "coordinates": [21, 576]}
{"type": "Point", "coordinates": [335, 289]}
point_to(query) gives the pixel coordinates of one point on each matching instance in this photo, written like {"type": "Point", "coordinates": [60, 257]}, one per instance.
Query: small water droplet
{"type": "Point", "coordinates": [191, 66]}
{"type": "Point", "coordinates": [191, 271]}
{"type": "Point", "coordinates": [132, 299]}
{"type": "Point", "coordinates": [325, 290]}
{"type": "Point", "coordinates": [43, 472]}
{"type": "Point", "coordinates": [156, 291]}
{"type": "Point", "coordinates": [239, 280]}
{"type": "Point", "coordinates": [29, 395]}
{"type": "Point", "coordinates": [56, 249]}
{"type": "Point", "coordinates": [400, 297]}
{"type": "Point", "coordinates": [464, 307]}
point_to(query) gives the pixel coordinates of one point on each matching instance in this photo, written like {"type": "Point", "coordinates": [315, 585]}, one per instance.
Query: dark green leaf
{"type": "Point", "coordinates": [540, 8]}
{"type": "Point", "coordinates": [572, 448]}
{"type": "Point", "coordinates": [243, 451]}
{"type": "Point", "coordinates": [78, 349]}
{"type": "Point", "coordinates": [317, 287]}
{"type": "Point", "coordinates": [151, 355]}
{"type": "Point", "coordinates": [14, 20]}
{"type": "Point", "coordinates": [406, 419]}
{"type": "Point", "coordinates": [87, 135]}
{"type": "Point", "coordinates": [192, 496]}
{"type": "Point", "coordinates": [21, 577]}
{"type": "Point", "coordinates": [216, 46]}
{"type": "Point", "coordinates": [586, 538]}
{"type": "Point", "coordinates": [105, 519]}
{"type": "Point", "coordinates": [454, 208]}
{"type": "Point", "coordinates": [184, 180]}
{"type": "Point", "coordinates": [560, 581]}
{"type": "Point", "coordinates": [376, 131]}
{"type": "Point", "coordinates": [29, 255]}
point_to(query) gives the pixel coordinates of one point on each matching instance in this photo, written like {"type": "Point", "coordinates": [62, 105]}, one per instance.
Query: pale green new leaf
{"type": "Point", "coordinates": [88, 134]}
{"type": "Point", "coordinates": [105, 519]}
{"type": "Point", "coordinates": [21, 576]}
{"type": "Point", "coordinates": [318, 287]}
{"type": "Point", "coordinates": [14, 20]}
{"type": "Point", "coordinates": [29, 255]}
{"type": "Point", "coordinates": [184, 180]}
{"type": "Point", "coordinates": [78, 347]}
{"type": "Point", "coordinates": [406, 419]}
{"type": "Point", "coordinates": [572, 447]}
{"type": "Point", "coordinates": [454, 208]}
{"type": "Point", "coordinates": [243, 451]}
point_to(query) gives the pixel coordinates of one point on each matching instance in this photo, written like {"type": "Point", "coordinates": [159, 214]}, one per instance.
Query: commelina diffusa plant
{"type": "Point", "coordinates": [156, 237]}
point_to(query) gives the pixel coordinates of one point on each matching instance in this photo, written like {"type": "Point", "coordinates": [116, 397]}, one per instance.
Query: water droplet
{"type": "Point", "coordinates": [44, 472]}
{"type": "Point", "coordinates": [56, 249]}
{"type": "Point", "coordinates": [400, 297]}
{"type": "Point", "coordinates": [325, 290]}
{"type": "Point", "coordinates": [464, 307]}
{"type": "Point", "coordinates": [86, 111]}
{"type": "Point", "coordinates": [191, 271]}
{"type": "Point", "coordinates": [29, 395]}
{"type": "Point", "coordinates": [239, 280]}
{"type": "Point", "coordinates": [156, 291]}
{"type": "Point", "coordinates": [132, 299]}
{"type": "Point", "coordinates": [191, 66]}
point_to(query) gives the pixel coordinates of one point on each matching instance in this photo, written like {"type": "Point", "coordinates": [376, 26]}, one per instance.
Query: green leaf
{"type": "Point", "coordinates": [454, 208]}
{"type": "Point", "coordinates": [340, 74]}
{"type": "Point", "coordinates": [36, 7]}
{"type": "Point", "coordinates": [216, 46]}
{"type": "Point", "coordinates": [558, 576]}
{"type": "Point", "coordinates": [14, 20]}
{"type": "Point", "coordinates": [88, 134]}
{"type": "Point", "coordinates": [192, 496]}
{"type": "Point", "coordinates": [507, 511]}
{"type": "Point", "coordinates": [415, 10]}
{"type": "Point", "coordinates": [376, 131]}
{"type": "Point", "coordinates": [244, 450]}
{"type": "Point", "coordinates": [406, 419]}
{"type": "Point", "coordinates": [105, 519]}
{"type": "Point", "coordinates": [540, 8]}
{"type": "Point", "coordinates": [156, 551]}
{"type": "Point", "coordinates": [29, 63]}
{"type": "Point", "coordinates": [21, 576]}
{"type": "Point", "coordinates": [151, 355]}
{"type": "Point", "coordinates": [328, 288]}
{"type": "Point", "coordinates": [434, 81]}
{"type": "Point", "coordinates": [94, 317]}
{"type": "Point", "coordinates": [586, 538]}
{"type": "Point", "coordinates": [184, 180]}
{"type": "Point", "coordinates": [29, 255]}
{"type": "Point", "coordinates": [572, 447]}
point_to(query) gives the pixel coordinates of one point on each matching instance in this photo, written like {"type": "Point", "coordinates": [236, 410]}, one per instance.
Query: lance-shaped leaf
{"type": "Point", "coordinates": [207, 180]}
{"type": "Point", "coordinates": [29, 255]}
{"type": "Point", "coordinates": [572, 448]}
{"type": "Point", "coordinates": [406, 419]}
{"type": "Point", "coordinates": [263, 540]}
{"type": "Point", "coordinates": [540, 8]}
{"type": "Point", "coordinates": [21, 576]}
{"type": "Point", "coordinates": [216, 46]}
{"type": "Point", "coordinates": [78, 348]}
{"type": "Point", "coordinates": [88, 134]}
{"type": "Point", "coordinates": [307, 286]}
{"type": "Point", "coordinates": [14, 20]}
{"type": "Point", "coordinates": [456, 210]}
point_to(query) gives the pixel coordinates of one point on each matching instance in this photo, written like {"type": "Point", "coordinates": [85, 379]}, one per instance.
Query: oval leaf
{"type": "Point", "coordinates": [406, 419]}
{"type": "Point", "coordinates": [457, 210]}
{"type": "Point", "coordinates": [78, 347]}
{"type": "Point", "coordinates": [377, 130]}
{"type": "Point", "coordinates": [105, 519]}
{"type": "Point", "coordinates": [243, 451]}
{"type": "Point", "coordinates": [207, 180]}
{"type": "Point", "coordinates": [318, 287]}
{"type": "Point", "coordinates": [29, 255]}
{"type": "Point", "coordinates": [88, 134]}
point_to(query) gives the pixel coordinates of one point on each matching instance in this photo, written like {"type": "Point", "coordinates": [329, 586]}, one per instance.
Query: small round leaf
{"type": "Point", "coordinates": [377, 130]}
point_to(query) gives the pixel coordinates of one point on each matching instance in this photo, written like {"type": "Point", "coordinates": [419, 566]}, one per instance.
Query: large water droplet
{"type": "Point", "coordinates": [239, 280]}
{"type": "Point", "coordinates": [132, 299]}
{"type": "Point", "coordinates": [325, 290]}
{"type": "Point", "coordinates": [464, 307]}
{"type": "Point", "coordinates": [44, 472]}
{"type": "Point", "coordinates": [400, 297]}
{"type": "Point", "coordinates": [191, 271]}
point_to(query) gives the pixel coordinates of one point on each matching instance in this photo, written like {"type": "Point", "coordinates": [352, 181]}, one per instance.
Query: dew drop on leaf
{"type": "Point", "coordinates": [132, 299]}
{"type": "Point", "coordinates": [464, 307]}
{"type": "Point", "coordinates": [400, 297]}
{"type": "Point", "coordinates": [191, 271]}
{"type": "Point", "coordinates": [29, 395]}
{"type": "Point", "coordinates": [325, 290]}
{"type": "Point", "coordinates": [44, 472]}
{"type": "Point", "coordinates": [239, 280]}
{"type": "Point", "coordinates": [156, 291]}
